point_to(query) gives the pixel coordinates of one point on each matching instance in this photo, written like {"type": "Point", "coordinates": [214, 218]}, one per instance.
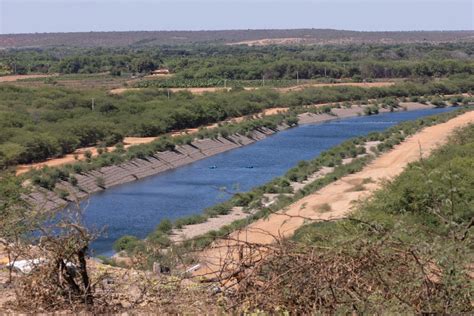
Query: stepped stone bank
{"type": "Point", "coordinates": [106, 177]}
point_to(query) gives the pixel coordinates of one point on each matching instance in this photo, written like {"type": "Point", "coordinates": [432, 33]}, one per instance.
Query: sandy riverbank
{"type": "Point", "coordinates": [338, 196]}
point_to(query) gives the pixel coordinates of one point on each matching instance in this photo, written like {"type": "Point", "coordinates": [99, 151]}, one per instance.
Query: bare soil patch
{"type": "Point", "coordinates": [200, 90]}
{"type": "Point", "coordinates": [273, 41]}
{"type": "Point", "coordinates": [13, 78]}
{"type": "Point", "coordinates": [123, 90]}
{"type": "Point", "coordinates": [174, 90]}
{"type": "Point", "coordinates": [79, 154]}
{"type": "Point", "coordinates": [351, 84]}
{"type": "Point", "coordinates": [213, 223]}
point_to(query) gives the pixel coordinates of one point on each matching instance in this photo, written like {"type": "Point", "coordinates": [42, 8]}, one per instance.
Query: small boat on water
{"type": "Point", "coordinates": [213, 167]}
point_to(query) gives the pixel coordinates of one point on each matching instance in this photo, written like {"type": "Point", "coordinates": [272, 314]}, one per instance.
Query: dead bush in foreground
{"type": "Point", "coordinates": [61, 277]}
{"type": "Point", "coordinates": [57, 273]}
{"type": "Point", "coordinates": [365, 278]}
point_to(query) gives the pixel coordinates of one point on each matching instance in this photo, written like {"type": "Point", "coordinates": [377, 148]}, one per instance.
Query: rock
{"type": "Point", "coordinates": [126, 304]}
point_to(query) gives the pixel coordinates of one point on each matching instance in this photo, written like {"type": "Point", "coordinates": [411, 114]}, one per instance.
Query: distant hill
{"type": "Point", "coordinates": [250, 37]}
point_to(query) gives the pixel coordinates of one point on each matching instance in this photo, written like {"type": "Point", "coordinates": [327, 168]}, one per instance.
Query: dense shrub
{"type": "Point", "coordinates": [126, 243]}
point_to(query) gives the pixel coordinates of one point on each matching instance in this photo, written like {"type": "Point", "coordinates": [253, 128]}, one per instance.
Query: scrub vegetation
{"type": "Point", "coordinates": [406, 250]}
{"type": "Point", "coordinates": [217, 62]}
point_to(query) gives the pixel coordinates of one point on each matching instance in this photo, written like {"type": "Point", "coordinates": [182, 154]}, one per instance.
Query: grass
{"type": "Point", "coordinates": [323, 208]}
{"type": "Point", "coordinates": [367, 181]}
{"type": "Point", "coordinates": [357, 188]}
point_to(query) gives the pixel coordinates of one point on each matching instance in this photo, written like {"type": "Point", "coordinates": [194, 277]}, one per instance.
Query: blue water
{"type": "Point", "coordinates": [136, 208]}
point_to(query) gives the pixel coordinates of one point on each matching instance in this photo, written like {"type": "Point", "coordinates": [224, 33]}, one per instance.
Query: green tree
{"type": "Point", "coordinates": [143, 65]}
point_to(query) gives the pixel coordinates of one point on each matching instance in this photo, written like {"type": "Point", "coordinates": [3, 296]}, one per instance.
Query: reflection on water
{"type": "Point", "coordinates": [136, 208]}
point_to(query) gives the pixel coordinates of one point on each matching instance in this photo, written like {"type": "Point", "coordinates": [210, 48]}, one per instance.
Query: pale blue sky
{"type": "Point", "coordinates": [29, 16]}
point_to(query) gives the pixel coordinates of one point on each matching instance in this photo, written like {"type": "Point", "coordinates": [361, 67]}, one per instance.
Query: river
{"type": "Point", "coordinates": [136, 208]}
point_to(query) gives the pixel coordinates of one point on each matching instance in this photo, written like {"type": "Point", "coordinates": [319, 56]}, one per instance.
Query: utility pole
{"type": "Point", "coordinates": [168, 94]}
{"type": "Point", "coordinates": [325, 71]}
{"type": "Point", "coordinates": [225, 84]}
{"type": "Point", "coordinates": [13, 65]}
{"type": "Point", "coordinates": [93, 104]}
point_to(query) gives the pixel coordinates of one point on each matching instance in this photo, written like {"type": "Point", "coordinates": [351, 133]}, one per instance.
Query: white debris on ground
{"type": "Point", "coordinates": [25, 266]}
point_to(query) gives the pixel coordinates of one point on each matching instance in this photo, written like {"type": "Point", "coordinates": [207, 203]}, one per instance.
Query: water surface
{"type": "Point", "coordinates": [136, 208]}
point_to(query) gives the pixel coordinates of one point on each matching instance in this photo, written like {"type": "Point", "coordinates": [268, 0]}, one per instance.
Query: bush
{"type": "Point", "coordinates": [165, 226]}
{"type": "Point", "coordinates": [72, 180]}
{"type": "Point", "coordinates": [100, 182]}
{"type": "Point", "coordinates": [243, 199]}
{"type": "Point", "coordinates": [126, 243]}
{"type": "Point", "coordinates": [438, 102]}
{"type": "Point", "coordinates": [220, 209]}
{"type": "Point", "coordinates": [190, 220]}
{"type": "Point", "coordinates": [159, 238]}
{"type": "Point", "coordinates": [371, 110]}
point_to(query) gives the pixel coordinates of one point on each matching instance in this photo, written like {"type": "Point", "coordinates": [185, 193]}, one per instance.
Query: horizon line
{"type": "Point", "coordinates": [243, 29]}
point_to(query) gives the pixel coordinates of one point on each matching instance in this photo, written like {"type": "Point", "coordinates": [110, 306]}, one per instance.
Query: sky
{"type": "Point", "coordinates": [38, 16]}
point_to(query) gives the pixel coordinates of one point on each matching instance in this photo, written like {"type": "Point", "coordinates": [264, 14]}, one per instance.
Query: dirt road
{"type": "Point", "coordinates": [79, 154]}
{"type": "Point", "coordinates": [335, 200]}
